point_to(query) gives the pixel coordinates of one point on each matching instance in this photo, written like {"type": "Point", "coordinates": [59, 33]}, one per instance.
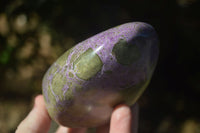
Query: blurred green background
{"type": "Point", "coordinates": [33, 34]}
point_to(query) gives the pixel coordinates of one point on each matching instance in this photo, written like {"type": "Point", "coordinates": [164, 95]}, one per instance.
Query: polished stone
{"type": "Point", "coordinates": [87, 81]}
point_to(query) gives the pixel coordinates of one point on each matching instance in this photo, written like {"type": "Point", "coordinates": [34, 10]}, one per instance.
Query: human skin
{"type": "Point", "coordinates": [123, 120]}
{"type": "Point", "coordinates": [88, 81]}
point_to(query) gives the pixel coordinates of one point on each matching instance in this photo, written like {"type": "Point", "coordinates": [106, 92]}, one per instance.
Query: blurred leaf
{"type": "Point", "coordinates": [5, 55]}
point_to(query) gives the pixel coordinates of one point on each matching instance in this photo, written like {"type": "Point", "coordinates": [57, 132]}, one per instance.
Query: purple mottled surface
{"type": "Point", "coordinates": [82, 86]}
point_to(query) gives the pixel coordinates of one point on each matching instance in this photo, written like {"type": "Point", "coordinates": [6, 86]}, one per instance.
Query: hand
{"type": "Point", "coordinates": [123, 120]}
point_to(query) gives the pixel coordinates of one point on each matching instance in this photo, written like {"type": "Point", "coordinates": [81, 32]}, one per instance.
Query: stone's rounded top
{"type": "Point", "coordinates": [87, 81]}
{"type": "Point", "coordinates": [128, 31]}
{"type": "Point", "coordinates": [129, 38]}
{"type": "Point", "coordinates": [133, 29]}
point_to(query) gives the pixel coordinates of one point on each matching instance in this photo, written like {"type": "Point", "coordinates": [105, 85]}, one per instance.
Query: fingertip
{"type": "Point", "coordinates": [39, 103]}
{"type": "Point", "coordinates": [121, 112]}
{"type": "Point", "coordinates": [121, 119]}
{"type": "Point", "coordinates": [124, 119]}
{"type": "Point", "coordinates": [63, 129]}
{"type": "Point", "coordinates": [39, 100]}
{"type": "Point", "coordinates": [37, 120]}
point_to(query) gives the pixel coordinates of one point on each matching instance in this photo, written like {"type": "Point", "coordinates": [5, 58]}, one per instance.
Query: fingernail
{"type": "Point", "coordinates": [123, 110]}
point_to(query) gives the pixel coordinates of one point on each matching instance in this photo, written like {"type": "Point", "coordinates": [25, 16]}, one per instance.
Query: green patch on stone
{"type": "Point", "coordinates": [58, 82]}
{"type": "Point", "coordinates": [52, 69]}
{"type": "Point", "coordinates": [125, 53]}
{"type": "Point", "coordinates": [51, 97]}
{"type": "Point", "coordinates": [87, 65]}
{"type": "Point", "coordinates": [71, 75]}
{"type": "Point", "coordinates": [73, 57]}
{"type": "Point", "coordinates": [72, 86]}
{"type": "Point", "coordinates": [62, 59]}
{"type": "Point", "coordinates": [69, 94]}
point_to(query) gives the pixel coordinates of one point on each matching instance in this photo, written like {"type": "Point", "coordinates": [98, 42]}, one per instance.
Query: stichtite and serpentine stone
{"type": "Point", "coordinates": [84, 85]}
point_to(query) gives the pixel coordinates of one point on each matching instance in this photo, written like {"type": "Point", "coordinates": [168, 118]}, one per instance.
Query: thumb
{"type": "Point", "coordinates": [38, 120]}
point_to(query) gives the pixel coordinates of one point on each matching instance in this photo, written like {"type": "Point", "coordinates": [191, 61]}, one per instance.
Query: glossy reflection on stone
{"type": "Point", "coordinates": [89, 60]}
{"type": "Point", "coordinates": [82, 87]}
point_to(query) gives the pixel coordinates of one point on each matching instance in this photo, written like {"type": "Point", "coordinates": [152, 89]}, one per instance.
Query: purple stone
{"type": "Point", "coordinates": [84, 85]}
